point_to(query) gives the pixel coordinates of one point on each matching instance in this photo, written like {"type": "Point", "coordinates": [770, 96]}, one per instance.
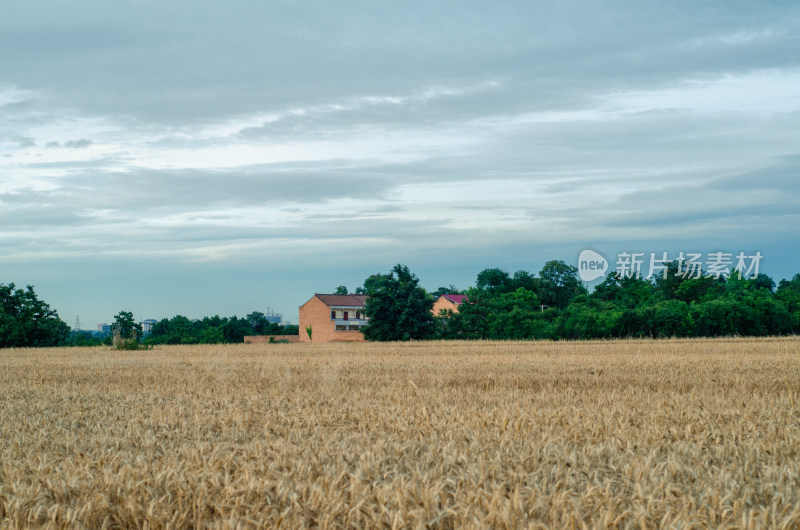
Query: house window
{"type": "Point", "coordinates": [358, 315]}
{"type": "Point", "coordinates": [333, 314]}
{"type": "Point", "coordinates": [341, 327]}
{"type": "Point", "coordinates": [345, 315]}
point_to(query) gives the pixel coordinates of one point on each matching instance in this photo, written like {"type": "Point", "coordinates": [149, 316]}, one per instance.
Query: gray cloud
{"type": "Point", "coordinates": [77, 144]}
{"type": "Point", "coordinates": [23, 141]}
{"type": "Point", "coordinates": [186, 63]}
{"type": "Point", "coordinates": [780, 177]}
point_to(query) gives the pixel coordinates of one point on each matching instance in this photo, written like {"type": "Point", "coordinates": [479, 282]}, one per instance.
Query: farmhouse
{"type": "Point", "coordinates": [448, 301]}
{"type": "Point", "coordinates": [333, 318]}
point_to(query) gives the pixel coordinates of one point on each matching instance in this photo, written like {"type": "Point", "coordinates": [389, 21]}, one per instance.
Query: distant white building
{"type": "Point", "coordinates": [147, 325]}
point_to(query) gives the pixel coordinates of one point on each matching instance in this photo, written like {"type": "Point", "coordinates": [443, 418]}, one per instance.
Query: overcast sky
{"type": "Point", "coordinates": [204, 158]}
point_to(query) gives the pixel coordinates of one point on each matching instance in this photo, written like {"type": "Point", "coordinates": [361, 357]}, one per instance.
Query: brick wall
{"type": "Point", "coordinates": [443, 303]}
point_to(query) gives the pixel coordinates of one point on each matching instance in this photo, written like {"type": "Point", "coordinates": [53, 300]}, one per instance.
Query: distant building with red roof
{"type": "Point", "coordinates": [333, 318]}
{"type": "Point", "coordinates": [448, 301]}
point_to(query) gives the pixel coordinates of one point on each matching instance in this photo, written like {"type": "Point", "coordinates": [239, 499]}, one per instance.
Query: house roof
{"type": "Point", "coordinates": [456, 298]}
{"type": "Point", "coordinates": [347, 300]}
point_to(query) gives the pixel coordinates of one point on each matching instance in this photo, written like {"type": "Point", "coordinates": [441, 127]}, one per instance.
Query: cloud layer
{"type": "Point", "coordinates": [287, 148]}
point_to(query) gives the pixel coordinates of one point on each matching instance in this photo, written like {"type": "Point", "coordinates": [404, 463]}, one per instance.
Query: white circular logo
{"type": "Point", "coordinates": [591, 265]}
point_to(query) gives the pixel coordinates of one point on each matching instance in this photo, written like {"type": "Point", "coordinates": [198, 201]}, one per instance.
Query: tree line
{"type": "Point", "coordinates": [551, 304]}
{"type": "Point", "coordinates": [183, 330]}
{"type": "Point", "coordinates": [28, 322]}
{"type": "Point", "coordinates": [215, 330]}
{"type": "Point", "coordinates": [554, 304]}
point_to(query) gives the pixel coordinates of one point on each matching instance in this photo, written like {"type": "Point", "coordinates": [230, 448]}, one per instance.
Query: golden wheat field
{"type": "Point", "coordinates": [627, 434]}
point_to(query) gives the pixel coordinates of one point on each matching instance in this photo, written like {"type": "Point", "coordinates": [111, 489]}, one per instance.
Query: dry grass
{"type": "Point", "coordinates": [690, 433]}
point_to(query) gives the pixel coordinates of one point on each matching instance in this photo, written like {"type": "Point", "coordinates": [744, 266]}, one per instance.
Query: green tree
{"type": "Point", "coordinates": [694, 289]}
{"type": "Point", "coordinates": [493, 282]}
{"type": "Point", "coordinates": [515, 315]}
{"type": "Point", "coordinates": [176, 330]}
{"type": "Point", "coordinates": [789, 295]}
{"type": "Point", "coordinates": [559, 284]}
{"type": "Point", "coordinates": [211, 335]}
{"type": "Point", "coordinates": [471, 320]}
{"type": "Point", "coordinates": [289, 329]}
{"type": "Point", "coordinates": [341, 290]}
{"type": "Point", "coordinates": [26, 321]}
{"type": "Point", "coordinates": [235, 329]}
{"type": "Point", "coordinates": [125, 325]}
{"type": "Point", "coordinates": [629, 291]}
{"type": "Point", "coordinates": [584, 318]}
{"type": "Point", "coordinates": [668, 284]}
{"type": "Point", "coordinates": [763, 282]}
{"type": "Point", "coordinates": [125, 331]}
{"type": "Point", "coordinates": [445, 290]}
{"type": "Point", "coordinates": [259, 323]}
{"type": "Point", "coordinates": [214, 330]}
{"type": "Point", "coordinates": [370, 283]}
{"type": "Point", "coordinates": [670, 318]}
{"type": "Point", "coordinates": [526, 280]}
{"type": "Point", "coordinates": [84, 338]}
{"type": "Point", "coordinates": [397, 307]}
{"type": "Point", "coordinates": [505, 307]}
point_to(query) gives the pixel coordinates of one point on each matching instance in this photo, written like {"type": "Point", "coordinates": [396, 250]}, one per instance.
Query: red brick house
{"type": "Point", "coordinates": [333, 318]}
{"type": "Point", "coordinates": [448, 301]}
